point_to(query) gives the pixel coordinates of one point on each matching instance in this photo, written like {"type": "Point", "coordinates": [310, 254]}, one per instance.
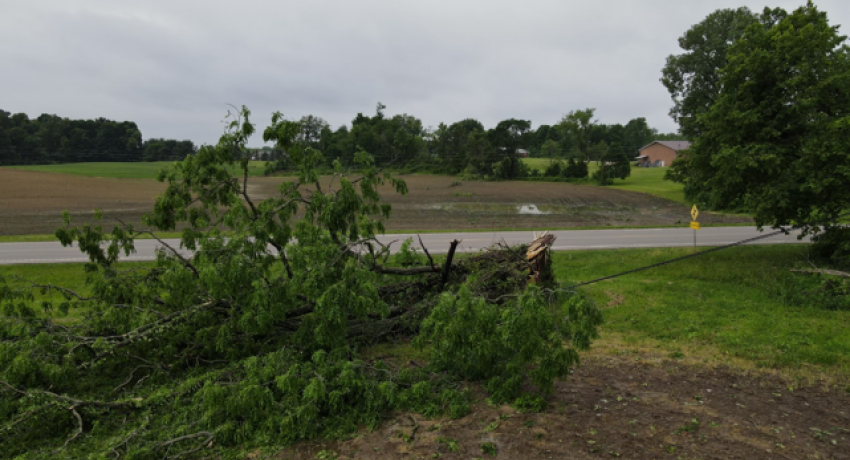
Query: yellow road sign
{"type": "Point", "coordinates": [695, 225]}
{"type": "Point", "coordinates": [694, 212]}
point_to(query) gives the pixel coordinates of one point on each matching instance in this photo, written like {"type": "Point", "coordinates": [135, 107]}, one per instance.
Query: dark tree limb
{"type": "Point", "coordinates": [448, 266]}
{"type": "Point", "coordinates": [430, 259]}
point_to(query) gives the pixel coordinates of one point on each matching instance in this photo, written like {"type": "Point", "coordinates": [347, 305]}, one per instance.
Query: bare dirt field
{"type": "Point", "coordinates": [32, 203]}
{"type": "Point", "coordinates": [631, 404]}
{"type": "Point", "coordinates": [443, 202]}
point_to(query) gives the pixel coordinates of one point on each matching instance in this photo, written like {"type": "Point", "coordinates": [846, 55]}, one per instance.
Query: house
{"type": "Point", "coordinates": [661, 153]}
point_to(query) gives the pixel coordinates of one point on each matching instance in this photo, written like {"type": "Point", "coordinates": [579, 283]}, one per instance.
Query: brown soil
{"type": "Point", "coordinates": [434, 203]}
{"type": "Point", "coordinates": [630, 405]}
{"type": "Point", "coordinates": [32, 203]}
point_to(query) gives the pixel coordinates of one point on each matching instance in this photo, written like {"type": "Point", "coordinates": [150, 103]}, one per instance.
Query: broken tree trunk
{"type": "Point", "coordinates": [538, 256]}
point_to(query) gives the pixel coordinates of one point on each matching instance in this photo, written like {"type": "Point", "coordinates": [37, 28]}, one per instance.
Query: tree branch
{"type": "Point", "coordinates": [76, 434]}
{"type": "Point", "coordinates": [209, 437]}
{"type": "Point", "coordinates": [430, 259]}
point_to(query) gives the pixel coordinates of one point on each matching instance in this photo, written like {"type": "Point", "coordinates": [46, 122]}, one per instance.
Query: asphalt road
{"type": "Point", "coordinates": [567, 240]}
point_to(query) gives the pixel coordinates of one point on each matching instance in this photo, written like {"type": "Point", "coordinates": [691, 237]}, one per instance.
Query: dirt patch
{"type": "Point", "coordinates": [635, 407]}
{"type": "Point", "coordinates": [443, 202]}
{"type": "Point", "coordinates": [32, 203]}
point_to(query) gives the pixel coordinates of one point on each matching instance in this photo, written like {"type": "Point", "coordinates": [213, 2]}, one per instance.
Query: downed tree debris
{"type": "Point", "coordinates": [241, 345]}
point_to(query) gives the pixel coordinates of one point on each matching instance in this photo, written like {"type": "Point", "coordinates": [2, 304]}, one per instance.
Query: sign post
{"type": "Point", "coordinates": [694, 223]}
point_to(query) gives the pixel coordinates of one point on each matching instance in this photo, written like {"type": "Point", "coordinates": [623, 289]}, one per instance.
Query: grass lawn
{"type": "Point", "coordinates": [646, 180]}
{"type": "Point", "coordinates": [729, 300]}
{"type": "Point", "coordinates": [49, 237]}
{"type": "Point", "coordinates": [134, 170]}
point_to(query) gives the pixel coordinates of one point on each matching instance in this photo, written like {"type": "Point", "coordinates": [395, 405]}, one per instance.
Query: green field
{"type": "Point", "coordinates": [645, 180]}
{"type": "Point", "coordinates": [731, 301]}
{"type": "Point", "coordinates": [139, 170]}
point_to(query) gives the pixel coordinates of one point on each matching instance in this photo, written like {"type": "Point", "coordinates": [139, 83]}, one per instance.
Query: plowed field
{"type": "Point", "coordinates": [32, 203]}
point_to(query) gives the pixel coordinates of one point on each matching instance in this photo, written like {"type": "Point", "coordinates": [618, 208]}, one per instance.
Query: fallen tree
{"type": "Point", "coordinates": [256, 338]}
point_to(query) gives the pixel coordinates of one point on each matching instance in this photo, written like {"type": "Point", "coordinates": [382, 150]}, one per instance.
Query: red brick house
{"type": "Point", "coordinates": [661, 153]}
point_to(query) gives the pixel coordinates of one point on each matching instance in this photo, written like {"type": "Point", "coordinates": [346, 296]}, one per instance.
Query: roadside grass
{"type": "Point", "coordinates": [730, 301]}
{"type": "Point", "coordinates": [129, 170]}
{"type": "Point", "coordinates": [70, 276]}
{"type": "Point", "coordinates": [46, 238]}
{"type": "Point", "coordinates": [722, 308]}
{"type": "Point", "coordinates": [645, 180]}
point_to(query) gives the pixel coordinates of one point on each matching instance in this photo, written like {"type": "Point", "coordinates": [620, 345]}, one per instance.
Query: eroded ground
{"type": "Point", "coordinates": [632, 404]}
{"type": "Point", "coordinates": [32, 203]}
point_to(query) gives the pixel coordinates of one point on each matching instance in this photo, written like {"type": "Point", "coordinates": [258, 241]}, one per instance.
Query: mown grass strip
{"type": "Point", "coordinates": [644, 180]}
{"type": "Point", "coordinates": [134, 170]}
{"type": "Point", "coordinates": [43, 238]}
{"type": "Point", "coordinates": [731, 300]}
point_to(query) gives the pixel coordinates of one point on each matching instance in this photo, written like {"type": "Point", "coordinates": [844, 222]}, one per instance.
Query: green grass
{"type": "Point", "coordinates": [644, 180]}
{"type": "Point", "coordinates": [730, 300]}
{"type": "Point", "coordinates": [71, 276]}
{"type": "Point", "coordinates": [135, 170]}
{"type": "Point", "coordinates": [651, 180]}
{"type": "Point", "coordinates": [42, 238]}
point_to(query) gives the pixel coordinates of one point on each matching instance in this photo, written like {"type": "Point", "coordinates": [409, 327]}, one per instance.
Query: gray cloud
{"type": "Point", "coordinates": [172, 66]}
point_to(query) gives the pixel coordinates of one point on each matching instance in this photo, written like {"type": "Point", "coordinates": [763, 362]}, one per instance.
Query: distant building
{"type": "Point", "coordinates": [661, 153]}
{"type": "Point", "coordinates": [522, 153]}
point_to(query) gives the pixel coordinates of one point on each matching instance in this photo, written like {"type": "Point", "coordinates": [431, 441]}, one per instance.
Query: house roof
{"type": "Point", "coordinates": [675, 145]}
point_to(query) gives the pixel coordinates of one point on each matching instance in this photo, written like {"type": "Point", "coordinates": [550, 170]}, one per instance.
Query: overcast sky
{"type": "Point", "coordinates": [172, 66]}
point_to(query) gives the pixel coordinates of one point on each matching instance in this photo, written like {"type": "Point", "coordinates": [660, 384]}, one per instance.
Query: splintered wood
{"type": "Point", "coordinates": [537, 254]}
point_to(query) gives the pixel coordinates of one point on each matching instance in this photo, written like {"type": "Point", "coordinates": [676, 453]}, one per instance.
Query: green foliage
{"type": "Point", "coordinates": [255, 339]}
{"type": "Point", "coordinates": [490, 449]}
{"type": "Point", "coordinates": [501, 344]}
{"type": "Point", "coordinates": [693, 77]}
{"type": "Point", "coordinates": [775, 141]}
{"type": "Point", "coordinates": [823, 291]}
{"type": "Point", "coordinates": [574, 169]}
{"type": "Point", "coordinates": [614, 165]}
{"type": "Point", "coordinates": [53, 139]}
{"type": "Point", "coordinates": [408, 255]}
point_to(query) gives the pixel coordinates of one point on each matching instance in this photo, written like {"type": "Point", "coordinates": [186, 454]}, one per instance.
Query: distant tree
{"type": "Point", "coordinates": [692, 78]}
{"type": "Point", "coordinates": [507, 137]}
{"type": "Point", "coordinates": [574, 169]}
{"type": "Point", "coordinates": [550, 150]}
{"type": "Point", "coordinates": [615, 164]}
{"type": "Point", "coordinates": [575, 128]}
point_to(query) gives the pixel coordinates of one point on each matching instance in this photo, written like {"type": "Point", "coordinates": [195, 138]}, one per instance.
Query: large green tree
{"type": "Point", "coordinates": [692, 77]}
{"type": "Point", "coordinates": [776, 142]}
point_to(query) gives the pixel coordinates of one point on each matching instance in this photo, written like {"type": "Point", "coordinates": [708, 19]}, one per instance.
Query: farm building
{"type": "Point", "coordinates": [661, 153]}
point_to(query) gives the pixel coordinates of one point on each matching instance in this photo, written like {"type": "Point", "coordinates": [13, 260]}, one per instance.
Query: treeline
{"type": "Point", "coordinates": [53, 139]}
{"type": "Point", "coordinates": [467, 148]}
{"type": "Point", "coordinates": [401, 142]}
